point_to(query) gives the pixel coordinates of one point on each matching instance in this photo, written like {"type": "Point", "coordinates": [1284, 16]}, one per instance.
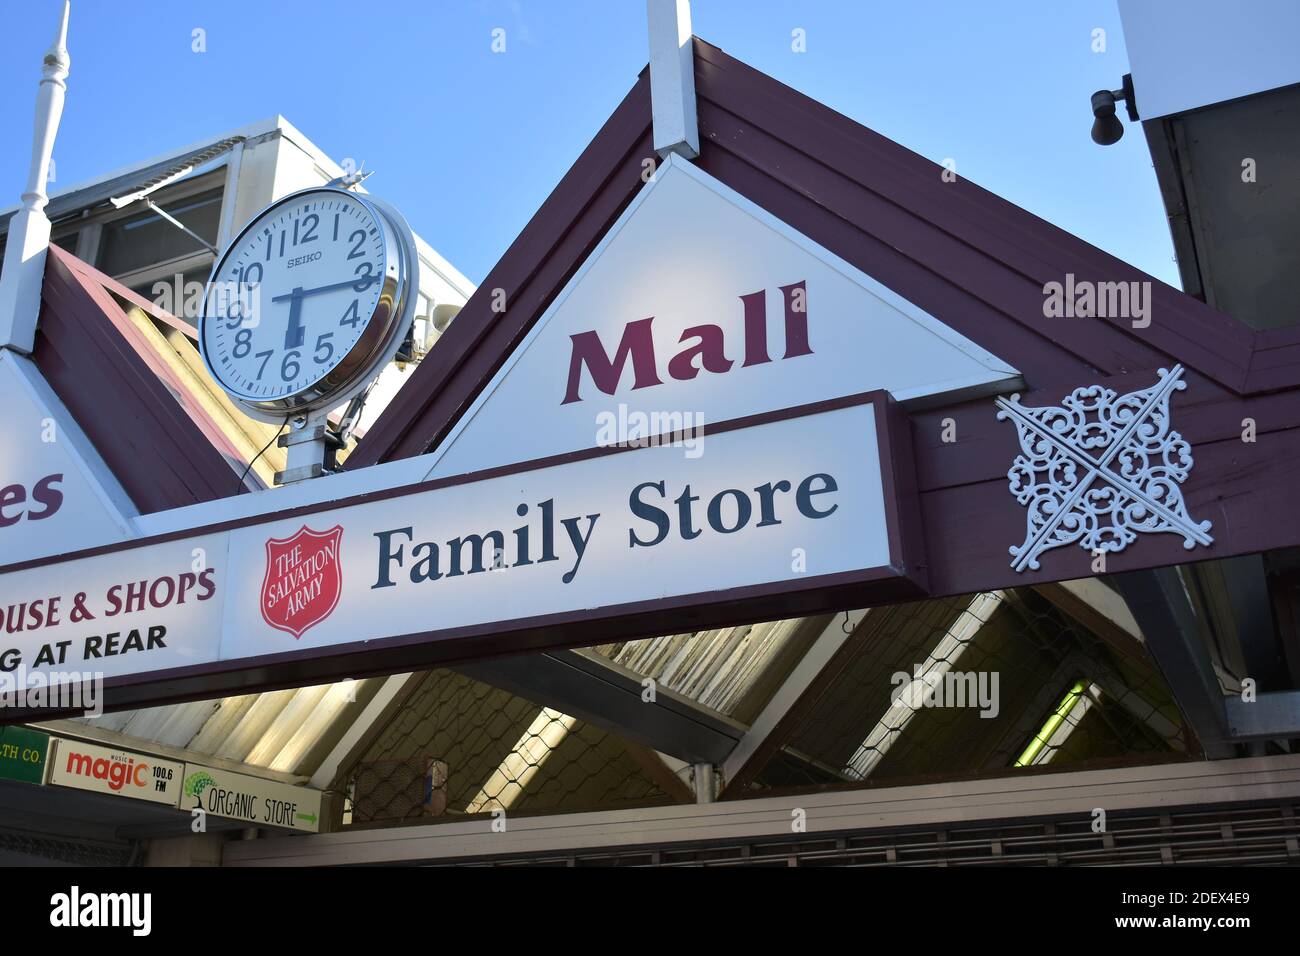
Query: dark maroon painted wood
{"type": "Point", "coordinates": [839, 154]}
{"type": "Point", "coordinates": [165, 451]}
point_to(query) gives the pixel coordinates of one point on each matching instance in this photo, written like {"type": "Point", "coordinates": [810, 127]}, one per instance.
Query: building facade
{"type": "Point", "coordinates": [1032, 671]}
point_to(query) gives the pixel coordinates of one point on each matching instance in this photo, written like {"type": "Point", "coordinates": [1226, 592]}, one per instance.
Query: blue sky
{"type": "Point", "coordinates": [468, 142]}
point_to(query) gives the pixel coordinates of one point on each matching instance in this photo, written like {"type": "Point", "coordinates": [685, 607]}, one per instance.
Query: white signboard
{"type": "Point", "coordinates": [146, 608]}
{"type": "Point", "coordinates": [121, 773]}
{"type": "Point", "coordinates": [258, 802]}
{"type": "Point", "coordinates": [54, 492]}
{"type": "Point", "coordinates": [659, 320]}
{"type": "Point", "coordinates": [800, 504]}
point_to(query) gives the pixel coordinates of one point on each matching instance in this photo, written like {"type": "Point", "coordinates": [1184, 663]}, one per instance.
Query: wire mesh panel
{"type": "Point", "coordinates": [458, 747]}
{"type": "Point", "coordinates": [995, 682]}
{"type": "Point", "coordinates": [987, 682]}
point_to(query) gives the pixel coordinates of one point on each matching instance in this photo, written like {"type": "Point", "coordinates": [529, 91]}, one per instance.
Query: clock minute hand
{"type": "Point", "coordinates": [301, 293]}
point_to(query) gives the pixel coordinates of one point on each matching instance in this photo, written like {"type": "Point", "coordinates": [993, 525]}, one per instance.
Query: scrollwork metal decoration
{"type": "Point", "coordinates": [1100, 469]}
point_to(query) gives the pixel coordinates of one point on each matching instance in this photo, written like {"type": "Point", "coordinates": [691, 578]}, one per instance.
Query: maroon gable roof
{"type": "Point", "coordinates": [164, 449]}
{"type": "Point", "coordinates": [968, 257]}
{"type": "Point", "coordinates": [972, 260]}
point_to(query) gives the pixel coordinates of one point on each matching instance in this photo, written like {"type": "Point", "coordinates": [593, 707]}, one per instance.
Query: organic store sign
{"type": "Point", "coordinates": [254, 800]}
{"type": "Point", "coordinates": [789, 507]}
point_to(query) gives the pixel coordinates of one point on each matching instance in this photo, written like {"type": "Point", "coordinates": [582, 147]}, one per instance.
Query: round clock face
{"type": "Point", "coordinates": [303, 301]}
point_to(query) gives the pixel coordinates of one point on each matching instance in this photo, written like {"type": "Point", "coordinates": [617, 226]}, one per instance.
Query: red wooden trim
{"type": "Point", "coordinates": [898, 481]}
{"type": "Point", "coordinates": [89, 272]}
{"type": "Point", "coordinates": [1247, 490]}
{"type": "Point", "coordinates": [1204, 413]}
{"type": "Point", "coordinates": [870, 232]}
{"type": "Point", "coordinates": [1025, 346]}
{"type": "Point", "coordinates": [1266, 339]}
{"type": "Point", "coordinates": [164, 451]}
{"type": "Point", "coordinates": [959, 210]}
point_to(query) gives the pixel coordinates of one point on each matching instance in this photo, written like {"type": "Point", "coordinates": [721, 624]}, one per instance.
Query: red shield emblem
{"type": "Point", "coordinates": [304, 579]}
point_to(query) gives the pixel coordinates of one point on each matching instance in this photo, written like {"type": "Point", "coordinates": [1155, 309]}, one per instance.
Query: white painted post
{"type": "Point", "coordinates": [29, 229]}
{"type": "Point", "coordinates": [672, 78]}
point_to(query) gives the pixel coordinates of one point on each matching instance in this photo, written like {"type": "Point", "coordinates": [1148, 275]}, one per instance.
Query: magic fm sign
{"type": "Point", "coordinates": [785, 513]}
{"type": "Point", "coordinates": [117, 772]}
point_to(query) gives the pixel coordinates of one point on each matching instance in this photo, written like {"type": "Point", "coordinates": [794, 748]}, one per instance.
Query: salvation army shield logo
{"type": "Point", "coordinates": [303, 579]}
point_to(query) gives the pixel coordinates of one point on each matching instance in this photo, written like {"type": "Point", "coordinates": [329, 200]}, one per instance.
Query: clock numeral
{"type": "Point", "coordinates": [366, 278]}
{"type": "Point", "coordinates": [290, 361]}
{"type": "Point", "coordinates": [322, 344]}
{"type": "Point", "coordinates": [309, 233]}
{"type": "Point", "coordinates": [244, 341]}
{"type": "Point", "coordinates": [265, 357]}
{"type": "Point", "coordinates": [234, 314]}
{"type": "Point", "coordinates": [238, 302]}
{"type": "Point", "coordinates": [359, 237]}
{"type": "Point", "coordinates": [336, 227]}
{"type": "Point", "coordinates": [353, 315]}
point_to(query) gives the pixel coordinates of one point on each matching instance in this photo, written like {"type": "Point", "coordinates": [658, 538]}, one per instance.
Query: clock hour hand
{"type": "Point", "coordinates": [301, 293]}
{"type": "Point", "coordinates": [294, 333]}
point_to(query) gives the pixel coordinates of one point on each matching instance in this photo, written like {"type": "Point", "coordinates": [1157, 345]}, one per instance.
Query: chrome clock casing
{"type": "Point", "coordinates": [384, 328]}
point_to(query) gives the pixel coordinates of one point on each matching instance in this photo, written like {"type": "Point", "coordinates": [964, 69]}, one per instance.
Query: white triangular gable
{"type": "Point", "coordinates": [56, 494]}
{"type": "Point", "coordinates": [685, 252]}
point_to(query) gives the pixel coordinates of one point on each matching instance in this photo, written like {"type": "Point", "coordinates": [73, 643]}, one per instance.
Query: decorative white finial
{"type": "Point", "coordinates": [49, 109]}
{"type": "Point", "coordinates": [29, 229]}
{"type": "Point", "coordinates": [672, 78]}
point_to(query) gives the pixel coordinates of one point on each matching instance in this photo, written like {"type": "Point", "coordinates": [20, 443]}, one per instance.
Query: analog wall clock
{"type": "Point", "coordinates": [309, 302]}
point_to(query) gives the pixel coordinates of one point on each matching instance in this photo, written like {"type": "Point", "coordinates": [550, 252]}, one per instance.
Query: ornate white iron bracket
{"type": "Point", "coordinates": [1100, 469]}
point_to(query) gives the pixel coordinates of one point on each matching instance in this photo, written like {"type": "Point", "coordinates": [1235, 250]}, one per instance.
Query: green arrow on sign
{"type": "Point", "coordinates": [309, 817]}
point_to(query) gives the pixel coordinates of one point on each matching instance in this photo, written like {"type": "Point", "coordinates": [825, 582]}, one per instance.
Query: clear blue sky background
{"type": "Point", "coordinates": [468, 143]}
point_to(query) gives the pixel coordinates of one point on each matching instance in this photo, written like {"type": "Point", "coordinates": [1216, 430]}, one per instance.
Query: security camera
{"type": "Point", "coordinates": [1106, 127]}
